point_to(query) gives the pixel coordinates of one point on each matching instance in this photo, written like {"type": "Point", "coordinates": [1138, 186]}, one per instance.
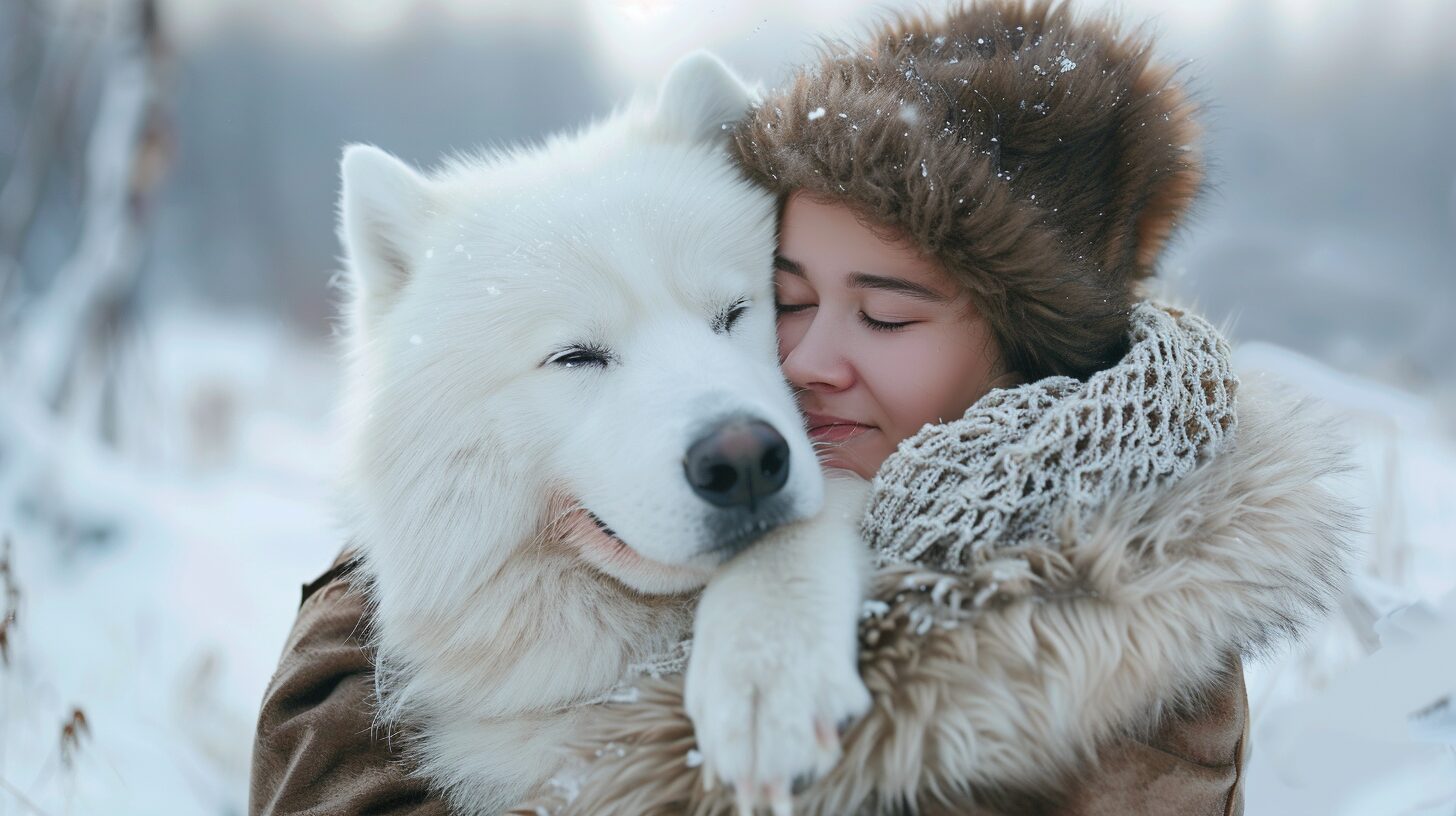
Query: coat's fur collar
{"type": "Point", "coordinates": [1004, 681]}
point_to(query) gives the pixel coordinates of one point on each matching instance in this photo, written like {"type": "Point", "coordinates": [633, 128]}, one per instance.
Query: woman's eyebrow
{"type": "Point", "coordinates": [864, 280]}
{"type": "Point", "coordinates": [861, 280]}
{"type": "Point", "coordinates": [783, 264]}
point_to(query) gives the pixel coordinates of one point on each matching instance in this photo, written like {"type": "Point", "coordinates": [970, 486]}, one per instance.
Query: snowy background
{"type": "Point", "coordinates": [167, 183]}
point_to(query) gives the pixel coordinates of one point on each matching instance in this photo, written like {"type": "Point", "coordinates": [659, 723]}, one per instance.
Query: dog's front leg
{"type": "Point", "coordinates": [773, 673]}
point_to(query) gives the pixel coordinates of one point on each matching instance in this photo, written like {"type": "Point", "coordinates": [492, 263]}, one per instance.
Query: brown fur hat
{"type": "Point", "coordinates": [1042, 160]}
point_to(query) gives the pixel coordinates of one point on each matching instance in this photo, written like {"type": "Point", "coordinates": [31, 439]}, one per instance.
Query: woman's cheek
{"type": "Point", "coordinates": [883, 363]}
{"type": "Point", "coordinates": [893, 366]}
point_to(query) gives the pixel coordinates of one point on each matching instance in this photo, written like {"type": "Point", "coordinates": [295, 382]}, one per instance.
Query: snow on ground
{"type": "Point", "coordinates": [1337, 730]}
{"type": "Point", "coordinates": [156, 596]}
{"type": "Point", "coordinates": [165, 630]}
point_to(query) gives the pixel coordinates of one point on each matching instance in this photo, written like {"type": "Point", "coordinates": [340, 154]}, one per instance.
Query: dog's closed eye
{"type": "Point", "coordinates": [587, 355]}
{"type": "Point", "coordinates": [723, 323]}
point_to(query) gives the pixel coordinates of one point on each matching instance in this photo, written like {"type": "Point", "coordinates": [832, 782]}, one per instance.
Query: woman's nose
{"type": "Point", "coordinates": [817, 360]}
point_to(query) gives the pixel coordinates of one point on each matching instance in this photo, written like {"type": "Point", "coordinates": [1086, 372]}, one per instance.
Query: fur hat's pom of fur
{"type": "Point", "coordinates": [1042, 159]}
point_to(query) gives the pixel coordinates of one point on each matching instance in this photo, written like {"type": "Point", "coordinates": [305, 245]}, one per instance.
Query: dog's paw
{"type": "Point", "coordinates": [769, 708]}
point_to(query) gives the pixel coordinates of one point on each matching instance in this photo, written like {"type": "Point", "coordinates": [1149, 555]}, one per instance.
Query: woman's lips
{"type": "Point", "coordinates": [837, 432]}
{"type": "Point", "coordinates": [834, 429]}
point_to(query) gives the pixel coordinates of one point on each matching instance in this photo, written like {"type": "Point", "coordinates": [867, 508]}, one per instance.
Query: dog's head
{"type": "Point", "coordinates": [592, 319]}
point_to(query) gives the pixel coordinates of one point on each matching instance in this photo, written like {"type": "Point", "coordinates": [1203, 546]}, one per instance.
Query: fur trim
{"type": "Point", "coordinates": [1001, 684]}
{"type": "Point", "coordinates": [1043, 160]}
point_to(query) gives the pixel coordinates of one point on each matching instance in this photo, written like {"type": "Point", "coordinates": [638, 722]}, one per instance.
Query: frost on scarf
{"type": "Point", "coordinates": [1024, 459]}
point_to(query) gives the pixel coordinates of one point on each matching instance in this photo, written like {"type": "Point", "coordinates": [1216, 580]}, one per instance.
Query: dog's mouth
{"type": "Point", "coordinates": [602, 525]}
{"type": "Point", "coordinates": [734, 537]}
{"type": "Point", "coordinates": [597, 538]}
{"type": "Point", "coordinates": [602, 547]}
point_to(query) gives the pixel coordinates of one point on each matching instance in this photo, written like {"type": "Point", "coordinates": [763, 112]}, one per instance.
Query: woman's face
{"type": "Point", "coordinates": [874, 337]}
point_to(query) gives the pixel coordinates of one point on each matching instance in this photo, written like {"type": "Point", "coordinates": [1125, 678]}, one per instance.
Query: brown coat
{"type": "Point", "coordinates": [316, 753]}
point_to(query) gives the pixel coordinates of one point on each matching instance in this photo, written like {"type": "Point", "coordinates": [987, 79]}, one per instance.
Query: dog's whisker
{"type": "Point", "coordinates": [558, 518]}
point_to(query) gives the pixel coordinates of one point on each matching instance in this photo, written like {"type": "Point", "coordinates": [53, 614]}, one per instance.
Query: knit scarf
{"type": "Point", "coordinates": [1026, 462]}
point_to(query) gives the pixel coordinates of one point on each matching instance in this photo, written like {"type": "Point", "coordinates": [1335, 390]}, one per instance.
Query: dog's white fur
{"type": "Point", "coordinates": [473, 440]}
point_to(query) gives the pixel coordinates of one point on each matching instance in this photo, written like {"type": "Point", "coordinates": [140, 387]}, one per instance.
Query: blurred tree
{"type": "Point", "coordinates": [67, 334]}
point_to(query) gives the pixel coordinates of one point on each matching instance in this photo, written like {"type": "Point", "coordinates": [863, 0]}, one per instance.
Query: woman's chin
{"type": "Point", "coordinates": [860, 453]}
{"type": "Point", "coordinates": [852, 458]}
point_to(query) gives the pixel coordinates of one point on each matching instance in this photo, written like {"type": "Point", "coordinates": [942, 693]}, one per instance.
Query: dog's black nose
{"type": "Point", "coordinates": [738, 463]}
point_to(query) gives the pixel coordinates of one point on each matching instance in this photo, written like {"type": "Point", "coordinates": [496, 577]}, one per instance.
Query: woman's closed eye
{"type": "Point", "coordinates": [869, 321]}
{"type": "Point", "coordinates": [884, 325]}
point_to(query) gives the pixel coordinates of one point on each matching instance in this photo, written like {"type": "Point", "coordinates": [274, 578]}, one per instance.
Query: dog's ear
{"type": "Point", "coordinates": [700, 99]}
{"type": "Point", "coordinates": [382, 204]}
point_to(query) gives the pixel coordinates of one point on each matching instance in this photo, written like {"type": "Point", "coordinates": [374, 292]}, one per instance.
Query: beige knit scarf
{"type": "Point", "coordinates": [1026, 461]}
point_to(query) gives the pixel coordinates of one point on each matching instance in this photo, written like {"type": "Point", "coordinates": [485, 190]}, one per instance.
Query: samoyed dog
{"type": "Point", "coordinates": [565, 417]}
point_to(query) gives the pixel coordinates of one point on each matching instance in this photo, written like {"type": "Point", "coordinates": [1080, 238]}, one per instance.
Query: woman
{"type": "Point", "coordinates": [1070, 567]}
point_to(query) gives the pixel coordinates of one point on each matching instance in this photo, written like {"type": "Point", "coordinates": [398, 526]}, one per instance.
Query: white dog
{"type": "Point", "coordinates": [565, 415]}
